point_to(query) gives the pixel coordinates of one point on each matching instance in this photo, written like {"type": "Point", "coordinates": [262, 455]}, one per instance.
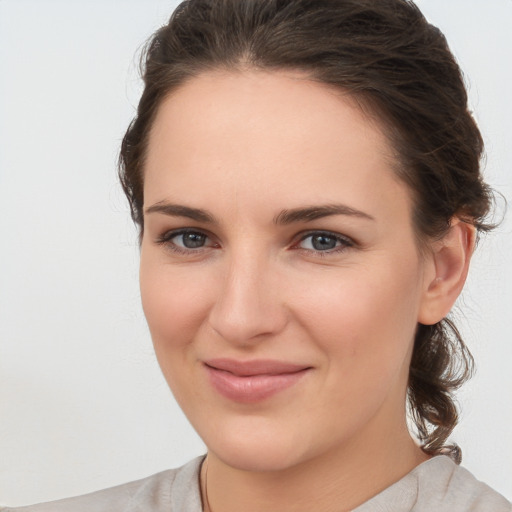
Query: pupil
{"type": "Point", "coordinates": [193, 240]}
{"type": "Point", "coordinates": [323, 242]}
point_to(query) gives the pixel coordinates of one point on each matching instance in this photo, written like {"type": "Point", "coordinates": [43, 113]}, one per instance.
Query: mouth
{"type": "Point", "coordinates": [252, 381]}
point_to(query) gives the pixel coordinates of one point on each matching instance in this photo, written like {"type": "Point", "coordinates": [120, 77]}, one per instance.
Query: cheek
{"type": "Point", "coordinates": [365, 320]}
{"type": "Point", "coordinates": [175, 307]}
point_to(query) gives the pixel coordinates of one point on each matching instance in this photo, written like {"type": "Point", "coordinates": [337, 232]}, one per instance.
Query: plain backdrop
{"type": "Point", "coordinates": [83, 405]}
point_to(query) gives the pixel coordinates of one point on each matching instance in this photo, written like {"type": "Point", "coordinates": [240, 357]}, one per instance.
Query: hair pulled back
{"type": "Point", "coordinates": [400, 69]}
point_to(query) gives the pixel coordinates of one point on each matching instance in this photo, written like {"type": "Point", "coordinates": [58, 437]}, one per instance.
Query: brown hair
{"type": "Point", "coordinates": [397, 66]}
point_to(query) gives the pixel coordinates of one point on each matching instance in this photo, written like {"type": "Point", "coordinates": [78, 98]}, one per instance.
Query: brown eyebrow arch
{"type": "Point", "coordinates": [178, 210]}
{"type": "Point", "coordinates": [311, 213]}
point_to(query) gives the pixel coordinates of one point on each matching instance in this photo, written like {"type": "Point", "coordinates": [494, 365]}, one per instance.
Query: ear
{"type": "Point", "coordinates": [446, 271]}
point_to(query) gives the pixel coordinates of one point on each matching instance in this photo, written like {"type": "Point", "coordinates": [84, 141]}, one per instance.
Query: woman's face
{"type": "Point", "coordinates": [279, 272]}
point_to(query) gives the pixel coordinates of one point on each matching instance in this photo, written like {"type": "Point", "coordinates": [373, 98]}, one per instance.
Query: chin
{"type": "Point", "coordinates": [253, 445]}
{"type": "Point", "coordinates": [257, 457]}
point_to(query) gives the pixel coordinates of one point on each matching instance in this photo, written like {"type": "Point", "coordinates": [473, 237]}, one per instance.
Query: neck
{"type": "Point", "coordinates": [337, 481]}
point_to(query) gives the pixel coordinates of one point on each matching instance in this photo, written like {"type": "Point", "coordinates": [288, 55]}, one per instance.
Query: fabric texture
{"type": "Point", "coordinates": [438, 485]}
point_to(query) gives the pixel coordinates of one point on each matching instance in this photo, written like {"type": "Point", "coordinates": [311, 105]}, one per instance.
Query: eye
{"type": "Point", "coordinates": [185, 241]}
{"type": "Point", "coordinates": [190, 240]}
{"type": "Point", "coordinates": [324, 242]}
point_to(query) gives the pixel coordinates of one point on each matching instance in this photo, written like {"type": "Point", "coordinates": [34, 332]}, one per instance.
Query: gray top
{"type": "Point", "coordinates": [436, 485]}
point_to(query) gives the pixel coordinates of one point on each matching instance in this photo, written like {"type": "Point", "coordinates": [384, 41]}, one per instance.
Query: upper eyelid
{"type": "Point", "coordinates": [171, 233]}
{"type": "Point", "coordinates": [166, 241]}
{"type": "Point", "coordinates": [305, 234]}
{"type": "Point", "coordinates": [346, 244]}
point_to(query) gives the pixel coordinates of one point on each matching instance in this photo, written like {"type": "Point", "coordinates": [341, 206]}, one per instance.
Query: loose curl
{"type": "Point", "coordinates": [399, 68]}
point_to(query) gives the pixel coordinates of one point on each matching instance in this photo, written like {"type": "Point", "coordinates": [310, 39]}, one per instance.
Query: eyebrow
{"type": "Point", "coordinates": [178, 210]}
{"type": "Point", "coordinates": [311, 213]}
{"type": "Point", "coordinates": [285, 217]}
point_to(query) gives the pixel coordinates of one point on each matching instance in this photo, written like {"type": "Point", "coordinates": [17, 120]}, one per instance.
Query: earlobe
{"type": "Point", "coordinates": [448, 271]}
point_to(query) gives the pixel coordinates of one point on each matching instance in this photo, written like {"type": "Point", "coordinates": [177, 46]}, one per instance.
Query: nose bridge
{"type": "Point", "coordinates": [249, 304]}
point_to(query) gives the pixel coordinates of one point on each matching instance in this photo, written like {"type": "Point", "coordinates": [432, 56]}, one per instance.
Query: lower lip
{"type": "Point", "coordinates": [253, 388]}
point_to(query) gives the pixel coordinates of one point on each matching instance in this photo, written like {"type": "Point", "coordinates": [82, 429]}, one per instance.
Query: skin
{"type": "Point", "coordinates": [245, 147]}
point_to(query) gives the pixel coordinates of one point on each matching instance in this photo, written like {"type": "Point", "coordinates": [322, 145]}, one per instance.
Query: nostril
{"type": "Point", "coordinates": [248, 309]}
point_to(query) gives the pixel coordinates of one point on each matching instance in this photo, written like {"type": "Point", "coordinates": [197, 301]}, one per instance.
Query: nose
{"type": "Point", "coordinates": [250, 303]}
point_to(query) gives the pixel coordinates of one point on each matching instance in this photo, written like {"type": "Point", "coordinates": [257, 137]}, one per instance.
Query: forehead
{"type": "Point", "coordinates": [283, 105]}
{"type": "Point", "coordinates": [267, 135]}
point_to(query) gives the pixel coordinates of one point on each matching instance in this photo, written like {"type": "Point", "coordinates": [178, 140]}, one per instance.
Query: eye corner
{"type": "Point", "coordinates": [193, 241]}
{"type": "Point", "coordinates": [323, 243]}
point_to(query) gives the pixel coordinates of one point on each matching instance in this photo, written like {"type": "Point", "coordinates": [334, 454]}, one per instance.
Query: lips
{"type": "Point", "coordinates": [252, 381]}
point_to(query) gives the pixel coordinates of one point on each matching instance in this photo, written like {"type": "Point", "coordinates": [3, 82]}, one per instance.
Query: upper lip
{"type": "Point", "coordinates": [255, 367]}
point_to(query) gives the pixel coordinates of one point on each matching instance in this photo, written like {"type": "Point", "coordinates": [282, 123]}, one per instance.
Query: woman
{"type": "Point", "coordinates": [305, 177]}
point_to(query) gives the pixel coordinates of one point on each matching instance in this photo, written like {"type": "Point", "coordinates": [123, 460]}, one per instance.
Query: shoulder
{"type": "Point", "coordinates": [450, 487]}
{"type": "Point", "coordinates": [444, 486]}
{"type": "Point", "coordinates": [174, 490]}
{"type": "Point", "coordinates": [438, 485]}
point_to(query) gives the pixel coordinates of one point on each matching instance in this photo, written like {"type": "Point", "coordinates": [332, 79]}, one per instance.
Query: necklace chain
{"type": "Point", "coordinates": [206, 504]}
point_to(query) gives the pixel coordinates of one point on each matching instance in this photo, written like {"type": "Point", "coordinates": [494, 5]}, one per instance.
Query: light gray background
{"type": "Point", "coordinates": [82, 403]}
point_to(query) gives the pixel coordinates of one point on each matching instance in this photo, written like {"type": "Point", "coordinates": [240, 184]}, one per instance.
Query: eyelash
{"type": "Point", "coordinates": [167, 237]}
{"type": "Point", "coordinates": [345, 242]}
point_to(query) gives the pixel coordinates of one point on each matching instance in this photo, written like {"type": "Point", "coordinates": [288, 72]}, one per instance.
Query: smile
{"type": "Point", "coordinates": [252, 381]}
